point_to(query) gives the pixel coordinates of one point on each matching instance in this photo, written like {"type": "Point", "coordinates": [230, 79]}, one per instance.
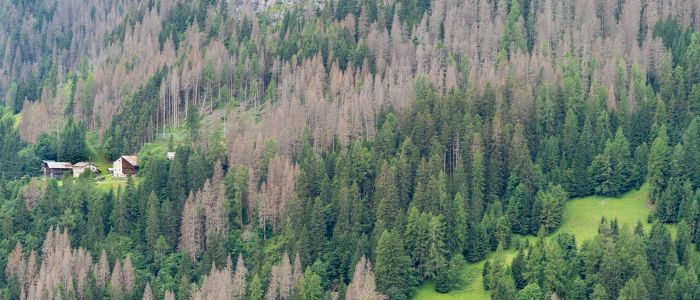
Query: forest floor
{"type": "Point", "coordinates": [581, 217]}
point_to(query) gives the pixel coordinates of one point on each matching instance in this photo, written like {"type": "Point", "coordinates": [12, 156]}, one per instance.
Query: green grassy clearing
{"type": "Point", "coordinates": [580, 217]}
{"type": "Point", "coordinates": [474, 283]}
{"type": "Point", "coordinates": [473, 289]}
{"type": "Point", "coordinates": [111, 183]}
{"type": "Point", "coordinates": [97, 158]}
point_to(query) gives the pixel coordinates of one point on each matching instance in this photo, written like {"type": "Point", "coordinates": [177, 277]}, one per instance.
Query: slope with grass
{"type": "Point", "coordinates": [581, 217]}
{"type": "Point", "coordinates": [474, 286]}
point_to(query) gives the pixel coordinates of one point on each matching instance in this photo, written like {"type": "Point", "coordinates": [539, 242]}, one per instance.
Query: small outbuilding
{"type": "Point", "coordinates": [55, 169]}
{"type": "Point", "coordinates": [125, 166]}
{"type": "Point", "coordinates": [170, 155]}
{"type": "Point", "coordinates": [82, 166]}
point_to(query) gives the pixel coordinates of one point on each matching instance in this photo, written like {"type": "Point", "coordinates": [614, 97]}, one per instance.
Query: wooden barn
{"type": "Point", "coordinates": [125, 166]}
{"type": "Point", "coordinates": [55, 169]}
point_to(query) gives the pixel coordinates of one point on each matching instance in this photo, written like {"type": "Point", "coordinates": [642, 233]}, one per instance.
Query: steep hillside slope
{"type": "Point", "coordinates": [350, 148]}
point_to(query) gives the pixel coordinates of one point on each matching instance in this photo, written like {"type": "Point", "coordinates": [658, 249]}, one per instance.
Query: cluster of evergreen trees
{"type": "Point", "coordinates": [619, 263]}
{"type": "Point", "coordinates": [11, 145]}
{"type": "Point", "coordinates": [17, 158]}
{"type": "Point", "coordinates": [69, 145]}
{"type": "Point", "coordinates": [132, 127]}
{"type": "Point", "coordinates": [72, 146]}
{"type": "Point", "coordinates": [439, 184]}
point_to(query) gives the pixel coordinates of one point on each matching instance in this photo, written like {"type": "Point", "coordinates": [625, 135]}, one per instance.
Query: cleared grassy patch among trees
{"type": "Point", "coordinates": [581, 217]}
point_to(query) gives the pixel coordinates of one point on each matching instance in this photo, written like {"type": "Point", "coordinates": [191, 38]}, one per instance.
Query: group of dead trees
{"type": "Point", "coordinates": [223, 284]}
{"type": "Point", "coordinates": [64, 271]}
{"type": "Point", "coordinates": [204, 215]}
{"type": "Point", "coordinates": [456, 44]}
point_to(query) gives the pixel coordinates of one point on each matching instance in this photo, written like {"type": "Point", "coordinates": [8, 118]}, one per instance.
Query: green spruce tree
{"type": "Point", "coordinates": [394, 274]}
{"type": "Point", "coordinates": [658, 165]}
{"type": "Point", "coordinates": [152, 230]}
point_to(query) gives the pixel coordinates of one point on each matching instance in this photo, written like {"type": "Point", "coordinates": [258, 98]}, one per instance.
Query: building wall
{"type": "Point", "coordinates": [56, 173]}
{"type": "Point", "coordinates": [79, 171]}
{"type": "Point", "coordinates": [121, 168]}
{"type": "Point", "coordinates": [128, 169]}
{"type": "Point", "coordinates": [117, 168]}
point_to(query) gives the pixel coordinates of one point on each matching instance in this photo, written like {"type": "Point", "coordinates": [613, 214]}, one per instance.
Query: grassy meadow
{"type": "Point", "coordinates": [580, 217]}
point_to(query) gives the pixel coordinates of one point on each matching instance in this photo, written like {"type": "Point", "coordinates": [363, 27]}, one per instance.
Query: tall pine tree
{"type": "Point", "coordinates": [394, 274]}
{"type": "Point", "coordinates": [658, 165]}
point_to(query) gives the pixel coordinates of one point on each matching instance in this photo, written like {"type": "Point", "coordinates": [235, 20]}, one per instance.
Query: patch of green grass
{"type": "Point", "coordinates": [474, 286]}
{"type": "Point", "coordinates": [102, 165]}
{"type": "Point", "coordinates": [473, 282]}
{"type": "Point", "coordinates": [96, 156]}
{"type": "Point", "coordinates": [111, 183]}
{"type": "Point", "coordinates": [581, 217]}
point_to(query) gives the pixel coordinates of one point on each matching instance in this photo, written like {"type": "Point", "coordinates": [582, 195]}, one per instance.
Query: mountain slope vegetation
{"type": "Point", "coordinates": [349, 148]}
{"type": "Point", "coordinates": [581, 218]}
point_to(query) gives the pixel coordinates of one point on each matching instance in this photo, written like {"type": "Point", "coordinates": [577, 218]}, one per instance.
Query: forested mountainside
{"type": "Point", "coordinates": [346, 149]}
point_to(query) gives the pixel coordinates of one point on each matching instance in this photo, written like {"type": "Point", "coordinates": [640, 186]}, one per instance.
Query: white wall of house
{"type": "Point", "coordinates": [117, 168]}
{"type": "Point", "coordinates": [77, 171]}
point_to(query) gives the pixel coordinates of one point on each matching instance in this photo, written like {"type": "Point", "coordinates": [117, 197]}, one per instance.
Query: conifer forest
{"type": "Point", "coordinates": [350, 149]}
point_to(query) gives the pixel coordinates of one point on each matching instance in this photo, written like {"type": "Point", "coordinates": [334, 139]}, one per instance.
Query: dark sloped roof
{"type": "Point", "coordinates": [58, 165]}
{"type": "Point", "coordinates": [132, 159]}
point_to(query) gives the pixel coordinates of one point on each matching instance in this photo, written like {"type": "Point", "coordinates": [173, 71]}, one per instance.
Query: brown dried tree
{"type": "Point", "coordinates": [217, 284]}
{"type": "Point", "coordinates": [33, 192]}
{"type": "Point", "coordinates": [213, 199]}
{"type": "Point", "coordinates": [239, 283]}
{"type": "Point", "coordinates": [147, 292]}
{"type": "Point", "coordinates": [281, 281]}
{"type": "Point", "coordinates": [101, 271]}
{"type": "Point", "coordinates": [128, 276]}
{"type": "Point", "coordinates": [82, 263]}
{"type": "Point", "coordinates": [169, 295]}
{"type": "Point", "coordinates": [275, 192]}
{"type": "Point", "coordinates": [63, 269]}
{"type": "Point", "coordinates": [191, 233]}
{"type": "Point", "coordinates": [363, 284]}
{"type": "Point", "coordinates": [116, 283]}
{"type": "Point", "coordinates": [297, 273]}
{"type": "Point", "coordinates": [15, 262]}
